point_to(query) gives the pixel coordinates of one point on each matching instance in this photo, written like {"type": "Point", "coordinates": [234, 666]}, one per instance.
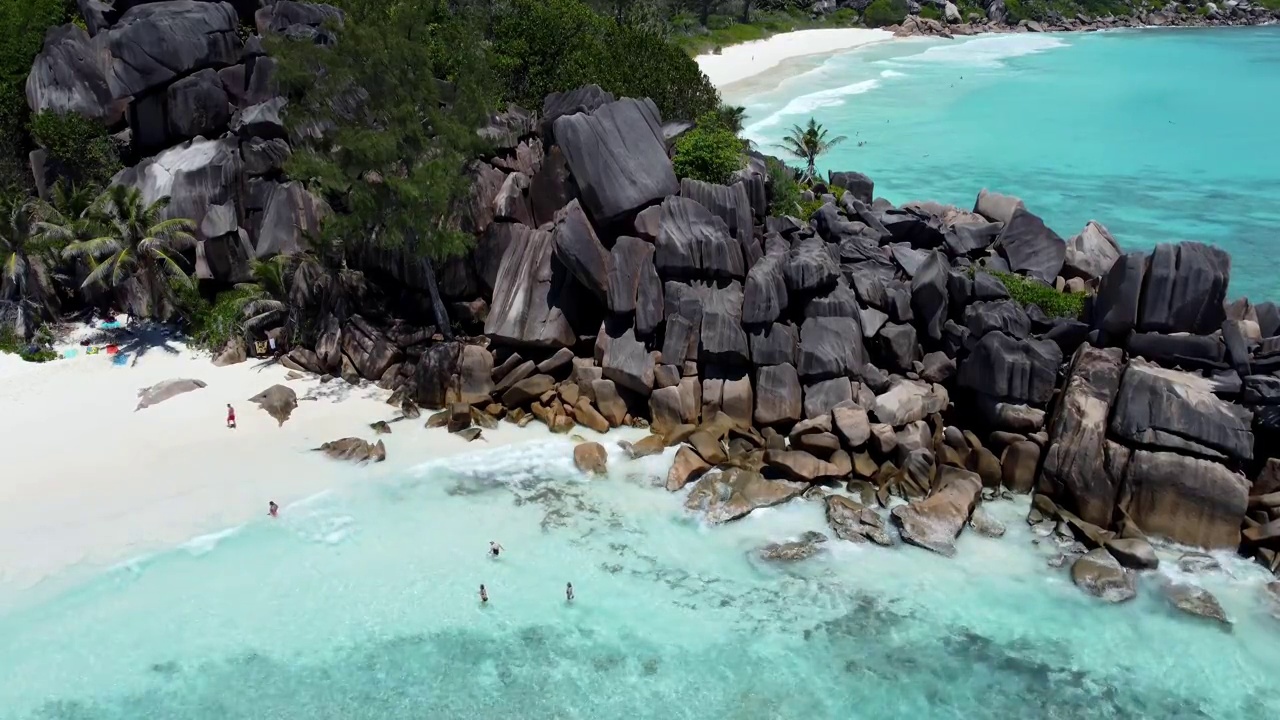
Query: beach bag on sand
{"type": "Point", "coordinates": [112, 349]}
{"type": "Point", "coordinates": [260, 348]}
{"type": "Point", "coordinates": [91, 351]}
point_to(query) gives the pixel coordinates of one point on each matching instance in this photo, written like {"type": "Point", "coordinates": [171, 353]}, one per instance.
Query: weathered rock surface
{"type": "Point", "coordinates": [354, 450]}
{"type": "Point", "coordinates": [688, 467]}
{"type": "Point", "coordinates": [529, 294]}
{"type": "Point", "coordinates": [732, 493]}
{"type": "Point", "coordinates": [1101, 575]}
{"type": "Point", "coordinates": [618, 157]}
{"type": "Point", "coordinates": [165, 390]}
{"type": "Point", "coordinates": [1031, 247]}
{"type": "Point", "coordinates": [809, 544]}
{"type": "Point", "coordinates": [1179, 411]}
{"type": "Point", "coordinates": [278, 400]}
{"type": "Point", "coordinates": [1187, 500]}
{"type": "Point", "coordinates": [591, 458]}
{"type": "Point", "coordinates": [935, 522]}
{"type": "Point", "coordinates": [1195, 600]}
{"type": "Point", "coordinates": [1091, 253]}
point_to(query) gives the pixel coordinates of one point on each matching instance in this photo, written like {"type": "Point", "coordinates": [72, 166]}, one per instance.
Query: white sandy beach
{"type": "Point", "coordinates": [89, 482]}
{"type": "Point", "coordinates": [739, 62]}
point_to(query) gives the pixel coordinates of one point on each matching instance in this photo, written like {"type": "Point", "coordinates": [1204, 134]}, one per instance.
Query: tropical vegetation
{"type": "Point", "coordinates": [710, 152]}
{"type": "Point", "coordinates": [806, 143]}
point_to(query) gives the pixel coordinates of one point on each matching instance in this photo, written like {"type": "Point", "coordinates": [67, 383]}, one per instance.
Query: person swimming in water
{"type": "Point", "coordinates": [568, 592]}
{"type": "Point", "coordinates": [495, 548]}
{"type": "Point", "coordinates": [484, 594]}
{"type": "Point", "coordinates": [273, 509]}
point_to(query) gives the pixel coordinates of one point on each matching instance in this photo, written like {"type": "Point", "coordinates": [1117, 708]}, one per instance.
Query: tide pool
{"type": "Point", "coordinates": [363, 603]}
{"type": "Point", "coordinates": [1161, 135]}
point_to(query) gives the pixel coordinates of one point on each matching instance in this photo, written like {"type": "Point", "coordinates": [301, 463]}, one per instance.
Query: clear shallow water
{"type": "Point", "coordinates": [362, 604]}
{"type": "Point", "coordinates": [1162, 135]}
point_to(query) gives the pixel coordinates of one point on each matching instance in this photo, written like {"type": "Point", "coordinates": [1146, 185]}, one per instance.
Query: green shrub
{"type": "Point", "coordinates": [884, 12]}
{"type": "Point", "coordinates": [784, 191]}
{"type": "Point", "coordinates": [544, 46]}
{"type": "Point", "coordinates": [809, 207]}
{"type": "Point", "coordinates": [210, 325]}
{"type": "Point", "coordinates": [31, 352]}
{"type": "Point", "coordinates": [79, 149]}
{"type": "Point", "coordinates": [1027, 291]}
{"type": "Point", "coordinates": [24, 23]}
{"type": "Point", "coordinates": [929, 12]}
{"type": "Point", "coordinates": [710, 152]}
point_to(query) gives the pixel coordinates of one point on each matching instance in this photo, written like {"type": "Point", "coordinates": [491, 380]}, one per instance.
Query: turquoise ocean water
{"type": "Point", "coordinates": [361, 603]}
{"type": "Point", "coordinates": [1162, 135]}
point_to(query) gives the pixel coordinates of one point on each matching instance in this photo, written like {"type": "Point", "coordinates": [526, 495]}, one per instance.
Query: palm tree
{"type": "Point", "coordinates": [24, 269]}
{"type": "Point", "coordinates": [137, 245]}
{"type": "Point", "coordinates": [807, 143]}
{"type": "Point", "coordinates": [266, 297]}
{"type": "Point", "coordinates": [73, 216]}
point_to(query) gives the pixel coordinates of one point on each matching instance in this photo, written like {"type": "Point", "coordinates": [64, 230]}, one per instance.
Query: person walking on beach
{"type": "Point", "coordinates": [568, 592]}
{"type": "Point", "coordinates": [484, 594]}
{"type": "Point", "coordinates": [273, 509]}
{"type": "Point", "coordinates": [231, 417]}
{"type": "Point", "coordinates": [495, 548]}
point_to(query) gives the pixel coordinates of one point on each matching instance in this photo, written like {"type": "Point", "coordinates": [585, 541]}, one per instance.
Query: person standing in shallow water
{"type": "Point", "coordinates": [568, 592]}
{"type": "Point", "coordinates": [273, 509]}
{"type": "Point", "coordinates": [495, 548]}
{"type": "Point", "coordinates": [484, 594]}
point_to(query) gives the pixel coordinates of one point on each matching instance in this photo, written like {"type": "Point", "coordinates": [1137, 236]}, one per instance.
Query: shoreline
{"type": "Point", "coordinates": [736, 64]}
{"type": "Point", "coordinates": [100, 485]}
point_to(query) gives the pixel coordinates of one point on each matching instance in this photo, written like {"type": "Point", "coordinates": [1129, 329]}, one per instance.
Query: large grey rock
{"type": "Point", "coordinates": [809, 267]}
{"type": "Point", "coordinates": [580, 251]}
{"type": "Point", "coordinates": [585, 99]}
{"type": "Point", "coordinates": [1187, 500]}
{"type": "Point", "coordinates": [1031, 247]}
{"type": "Point", "coordinates": [1184, 289]}
{"type": "Point", "coordinates": [196, 176]}
{"type": "Point", "coordinates": [898, 347]}
{"type": "Point", "coordinates": [1115, 308]}
{"type": "Point", "coordinates": [368, 349]}
{"type": "Point", "coordinates": [772, 345]}
{"type": "Point", "coordinates": [694, 243]}
{"type": "Point", "coordinates": [765, 292]}
{"type": "Point", "coordinates": [996, 207]}
{"type": "Point", "coordinates": [70, 76]}
{"type": "Point", "coordinates": [197, 105]}
{"type": "Point", "coordinates": [823, 396]}
{"type": "Point", "coordinates": [732, 493]}
{"type": "Point", "coordinates": [929, 296]}
{"type": "Point", "coordinates": [1020, 371]}
{"type": "Point", "coordinates": [839, 301]}
{"type": "Point", "coordinates": [779, 398]}
{"type": "Point", "coordinates": [861, 186]}
{"type": "Point", "coordinates": [1157, 407]}
{"type": "Point", "coordinates": [908, 401]}
{"type": "Point", "coordinates": [263, 156]}
{"type": "Point", "coordinates": [722, 339]}
{"type": "Point", "coordinates": [630, 258]}
{"type": "Point", "coordinates": [280, 16]}
{"type": "Point", "coordinates": [1007, 316]}
{"type": "Point", "coordinates": [1091, 253]}
{"type": "Point", "coordinates": [935, 522]}
{"type": "Point", "coordinates": [830, 347]}
{"type": "Point", "coordinates": [167, 389]}
{"type": "Point", "coordinates": [264, 119]}
{"type": "Point", "coordinates": [628, 363]}
{"type": "Point", "coordinates": [278, 400]}
{"type": "Point", "coordinates": [730, 203]}
{"type": "Point", "coordinates": [1101, 575]}
{"type": "Point", "coordinates": [292, 214]}
{"type": "Point", "coordinates": [618, 157]}
{"type": "Point", "coordinates": [154, 43]}
{"type": "Point", "coordinates": [528, 294]}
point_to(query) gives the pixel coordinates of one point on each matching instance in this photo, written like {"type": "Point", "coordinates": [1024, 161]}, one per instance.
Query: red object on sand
{"type": "Point", "coordinates": [112, 349]}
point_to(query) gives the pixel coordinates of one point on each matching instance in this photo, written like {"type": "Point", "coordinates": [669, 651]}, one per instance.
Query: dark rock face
{"type": "Point", "coordinates": [898, 346]}
{"type": "Point", "coordinates": [580, 251]}
{"type": "Point", "coordinates": [617, 156]}
{"type": "Point", "coordinates": [153, 44]}
{"type": "Point", "coordinates": [528, 293]}
{"type": "Point", "coordinates": [629, 258]}
{"type": "Point", "coordinates": [765, 292]}
{"type": "Point", "coordinates": [628, 364]}
{"type": "Point", "coordinates": [809, 267]}
{"type": "Point", "coordinates": [722, 339]}
{"type": "Point", "coordinates": [70, 75]}
{"type": "Point", "coordinates": [929, 295]}
{"type": "Point", "coordinates": [1178, 411]}
{"type": "Point", "coordinates": [778, 395]}
{"type": "Point", "coordinates": [1075, 462]}
{"type": "Point", "coordinates": [586, 99]}
{"type": "Point", "coordinates": [773, 345]}
{"type": "Point", "coordinates": [860, 186]}
{"type": "Point", "coordinates": [1190, 501]}
{"type": "Point", "coordinates": [830, 347]}
{"type": "Point", "coordinates": [1185, 351]}
{"type": "Point", "coordinates": [1006, 316]}
{"type": "Point", "coordinates": [368, 349]}
{"type": "Point", "coordinates": [1031, 247]}
{"type": "Point", "coordinates": [694, 243]}
{"type": "Point", "coordinates": [727, 202]}
{"type": "Point", "coordinates": [1115, 309]}
{"type": "Point", "coordinates": [1021, 371]}
{"type": "Point", "coordinates": [1184, 289]}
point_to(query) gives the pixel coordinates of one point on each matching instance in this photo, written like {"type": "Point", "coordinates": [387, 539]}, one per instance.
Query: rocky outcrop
{"type": "Point", "coordinates": [354, 450]}
{"type": "Point", "coordinates": [734, 492]}
{"type": "Point", "coordinates": [590, 458]}
{"type": "Point", "coordinates": [279, 401]}
{"type": "Point", "coordinates": [935, 522]}
{"type": "Point", "coordinates": [530, 290]}
{"type": "Point", "coordinates": [1101, 575]}
{"type": "Point", "coordinates": [165, 390]}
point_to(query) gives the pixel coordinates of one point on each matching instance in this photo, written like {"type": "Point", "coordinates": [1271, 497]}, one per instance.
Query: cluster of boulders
{"type": "Point", "coordinates": [951, 21]}
{"type": "Point", "coordinates": [179, 87]}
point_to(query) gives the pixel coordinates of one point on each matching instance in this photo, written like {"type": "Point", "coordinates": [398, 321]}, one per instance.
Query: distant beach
{"type": "Point", "coordinates": [736, 63]}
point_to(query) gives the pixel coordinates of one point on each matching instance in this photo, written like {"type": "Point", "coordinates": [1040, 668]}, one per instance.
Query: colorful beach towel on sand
{"type": "Point", "coordinates": [111, 325]}
{"type": "Point", "coordinates": [69, 353]}
{"type": "Point", "coordinates": [120, 359]}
